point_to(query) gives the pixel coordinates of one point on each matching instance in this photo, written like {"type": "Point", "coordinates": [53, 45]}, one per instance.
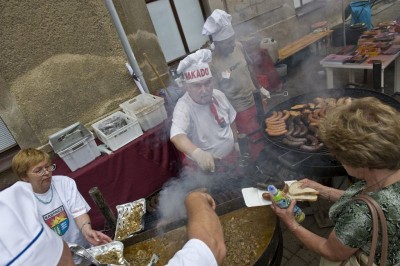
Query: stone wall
{"type": "Point", "coordinates": [62, 62]}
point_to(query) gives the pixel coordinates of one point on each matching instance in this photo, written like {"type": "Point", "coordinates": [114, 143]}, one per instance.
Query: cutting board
{"type": "Point", "coordinates": [253, 196]}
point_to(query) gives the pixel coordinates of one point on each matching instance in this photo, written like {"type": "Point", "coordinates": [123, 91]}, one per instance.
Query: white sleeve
{"type": "Point", "coordinates": [194, 253]}
{"type": "Point", "coordinates": [76, 203]}
{"type": "Point", "coordinates": [24, 239]}
{"type": "Point", "coordinates": [180, 121]}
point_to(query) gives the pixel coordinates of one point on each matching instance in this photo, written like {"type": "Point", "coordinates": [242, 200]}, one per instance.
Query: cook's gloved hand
{"type": "Point", "coordinates": [204, 159]}
{"type": "Point", "coordinates": [265, 92]}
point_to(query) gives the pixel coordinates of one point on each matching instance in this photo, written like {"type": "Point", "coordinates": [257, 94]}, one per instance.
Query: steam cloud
{"type": "Point", "coordinates": [171, 205]}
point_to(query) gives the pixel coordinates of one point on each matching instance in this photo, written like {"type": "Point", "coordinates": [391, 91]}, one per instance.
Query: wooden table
{"type": "Point", "coordinates": [302, 43]}
{"type": "Point", "coordinates": [385, 59]}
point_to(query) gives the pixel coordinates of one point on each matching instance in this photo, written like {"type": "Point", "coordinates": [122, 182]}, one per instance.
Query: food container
{"type": "Point", "coordinates": [149, 110]}
{"type": "Point", "coordinates": [117, 130]}
{"type": "Point", "coordinates": [130, 219]}
{"type": "Point", "coordinates": [75, 145]}
{"type": "Point", "coordinates": [111, 253]}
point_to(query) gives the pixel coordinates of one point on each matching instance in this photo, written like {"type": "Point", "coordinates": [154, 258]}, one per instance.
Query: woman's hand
{"type": "Point", "coordinates": [95, 237]}
{"type": "Point", "coordinates": [286, 215]}
{"type": "Point", "coordinates": [311, 184]}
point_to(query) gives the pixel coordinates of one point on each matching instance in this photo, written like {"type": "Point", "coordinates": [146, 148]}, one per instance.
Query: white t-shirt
{"type": "Point", "coordinates": [66, 204]}
{"type": "Point", "coordinates": [24, 239]}
{"type": "Point", "coordinates": [194, 253]}
{"type": "Point", "coordinates": [199, 124]}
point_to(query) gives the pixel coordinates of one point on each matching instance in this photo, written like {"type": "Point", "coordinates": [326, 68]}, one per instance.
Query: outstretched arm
{"type": "Point", "coordinates": [92, 236]}
{"type": "Point", "coordinates": [329, 193]}
{"type": "Point", "coordinates": [204, 224]}
{"type": "Point", "coordinates": [183, 144]}
{"type": "Point", "coordinates": [66, 257]}
{"type": "Point", "coordinates": [330, 248]}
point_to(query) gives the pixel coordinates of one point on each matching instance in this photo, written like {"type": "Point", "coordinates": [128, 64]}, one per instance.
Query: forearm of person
{"type": "Point", "coordinates": [92, 236]}
{"type": "Point", "coordinates": [83, 221]}
{"type": "Point", "coordinates": [183, 144]}
{"type": "Point", "coordinates": [66, 257]}
{"type": "Point", "coordinates": [331, 248]}
{"type": "Point", "coordinates": [204, 224]}
{"type": "Point", "coordinates": [331, 194]}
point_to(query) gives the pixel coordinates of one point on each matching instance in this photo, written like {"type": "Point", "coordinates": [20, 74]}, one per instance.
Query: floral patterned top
{"type": "Point", "coordinates": [353, 222]}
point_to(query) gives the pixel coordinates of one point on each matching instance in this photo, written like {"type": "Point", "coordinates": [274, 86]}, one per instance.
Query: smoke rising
{"type": "Point", "coordinates": [171, 206]}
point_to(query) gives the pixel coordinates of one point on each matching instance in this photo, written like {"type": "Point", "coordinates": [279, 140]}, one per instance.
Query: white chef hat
{"type": "Point", "coordinates": [218, 25]}
{"type": "Point", "coordinates": [195, 66]}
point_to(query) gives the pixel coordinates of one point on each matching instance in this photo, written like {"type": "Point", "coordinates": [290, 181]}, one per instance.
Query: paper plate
{"type": "Point", "coordinates": [253, 196]}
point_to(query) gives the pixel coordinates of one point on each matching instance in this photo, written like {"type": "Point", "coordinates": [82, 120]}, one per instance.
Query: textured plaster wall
{"type": "Point", "coordinates": [62, 62]}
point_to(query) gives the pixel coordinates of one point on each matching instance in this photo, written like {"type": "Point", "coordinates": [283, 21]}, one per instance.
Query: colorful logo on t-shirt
{"type": "Point", "coordinates": [57, 220]}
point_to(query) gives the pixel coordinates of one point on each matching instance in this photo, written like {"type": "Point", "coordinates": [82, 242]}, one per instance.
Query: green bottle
{"type": "Point", "coordinates": [283, 201]}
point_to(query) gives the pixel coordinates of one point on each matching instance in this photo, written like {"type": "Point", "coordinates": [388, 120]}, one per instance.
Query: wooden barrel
{"type": "Point", "coordinates": [252, 237]}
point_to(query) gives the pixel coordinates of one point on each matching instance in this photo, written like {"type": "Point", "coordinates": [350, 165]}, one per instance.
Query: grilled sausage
{"type": "Point", "coordinates": [278, 116]}
{"type": "Point", "coordinates": [299, 106]}
{"type": "Point", "coordinates": [289, 137]}
{"type": "Point", "coordinates": [303, 130]}
{"type": "Point", "coordinates": [292, 143]}
{"type": "Point", "coordinates": [272, 117]}
{"type": "Point", "coordinates": [266, 196]}
{"type": "Point", "coordinates": [296, 131]}
{"type": "Point", "coordinates": [286, 115]}
{"type": "Point", "coordinates": [313, 140]}
{"type": "Point", "coordinates": [276, 133]}
{"type": "Point", "coordinates": [290, 126]}
{"type": "Point", "coordinates": [311, 148]}
{"type": "Point", "coordinates": [276, 122]}
{"type": "Point", "coordinates": [280, 128]}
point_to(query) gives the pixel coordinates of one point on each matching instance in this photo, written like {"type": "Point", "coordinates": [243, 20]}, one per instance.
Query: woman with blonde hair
{"type": "Point", "coordinates": [365, 137]}
{"type": "Point", "coordinates": [59, 202]}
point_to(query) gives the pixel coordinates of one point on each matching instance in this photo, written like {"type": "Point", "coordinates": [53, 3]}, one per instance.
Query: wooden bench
{"type": "Point", "coordinates": [302, 43]}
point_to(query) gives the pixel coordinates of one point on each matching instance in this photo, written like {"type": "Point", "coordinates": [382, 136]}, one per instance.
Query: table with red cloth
{"type": "Point", "coordinates": [134, 171]}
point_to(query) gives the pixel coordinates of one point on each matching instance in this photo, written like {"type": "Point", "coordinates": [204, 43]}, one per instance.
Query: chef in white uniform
{"type": "Point", "coordinates": [203, 126]}
{"type": "Point", "coordinates": [234, 76]}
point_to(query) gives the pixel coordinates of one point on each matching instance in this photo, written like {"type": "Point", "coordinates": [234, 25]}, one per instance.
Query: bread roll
{"type": "Point", "coordinates": [295, 189]}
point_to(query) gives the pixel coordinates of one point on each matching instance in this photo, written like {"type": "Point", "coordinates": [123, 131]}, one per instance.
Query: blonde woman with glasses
{"type": "Point", "coordinates": [59, 202]}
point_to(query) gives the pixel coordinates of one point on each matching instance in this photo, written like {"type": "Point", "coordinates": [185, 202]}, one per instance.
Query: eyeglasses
{"type": "Point", "coordinates": [45, 169]}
